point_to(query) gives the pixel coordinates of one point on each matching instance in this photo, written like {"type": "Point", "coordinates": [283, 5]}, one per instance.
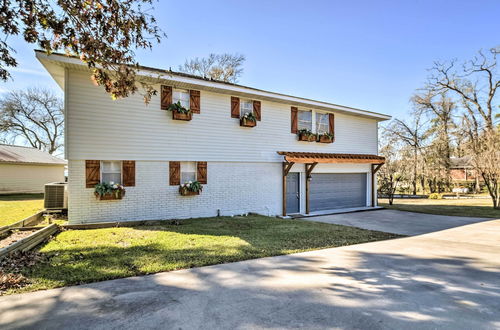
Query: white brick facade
{"type": "Point", "coordinates": [233, 188]}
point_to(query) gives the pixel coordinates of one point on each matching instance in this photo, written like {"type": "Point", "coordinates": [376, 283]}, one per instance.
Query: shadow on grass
{"type": "Point", "coordinates": [20, 197]}
{"type": "Point", "coordinates": [76, 258]}
{"type": "Point", "coordinates": [355, 289]}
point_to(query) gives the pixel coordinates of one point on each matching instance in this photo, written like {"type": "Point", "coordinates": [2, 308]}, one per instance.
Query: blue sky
{"type": "Point", "coordinates": [366, 54]}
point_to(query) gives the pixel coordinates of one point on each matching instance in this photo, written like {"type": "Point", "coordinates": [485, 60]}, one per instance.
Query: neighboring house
{"type": "Point", "coordinates": [27, 170]}
{"type": "Point", "coordinates": [461, 169]}
{"type": "Point", "coordinates": [261, 169]}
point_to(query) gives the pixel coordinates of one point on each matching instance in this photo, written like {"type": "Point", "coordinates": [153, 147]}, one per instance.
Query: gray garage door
{"type": "Point", "coordinates": [337, 191]}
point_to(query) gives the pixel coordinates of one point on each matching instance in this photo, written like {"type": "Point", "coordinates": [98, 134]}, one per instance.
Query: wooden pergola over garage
{"type": "Point", "coordinates": [311, 159]}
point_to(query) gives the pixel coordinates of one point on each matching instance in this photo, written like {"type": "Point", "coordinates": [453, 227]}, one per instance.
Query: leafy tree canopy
{"type": "Point", "coordinates": [103, 33]}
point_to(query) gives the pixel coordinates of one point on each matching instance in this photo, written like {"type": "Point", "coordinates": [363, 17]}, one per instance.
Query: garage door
{"type": "Point", "coordinates": [337, 191]}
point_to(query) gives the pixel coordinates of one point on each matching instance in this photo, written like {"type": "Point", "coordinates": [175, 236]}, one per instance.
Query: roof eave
{"type": "Point", "coordinates": [228, 88]}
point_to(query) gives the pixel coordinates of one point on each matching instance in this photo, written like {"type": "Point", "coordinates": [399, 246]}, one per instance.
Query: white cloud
{"type": "Point", "coordinates": [4, 90]}
{"type": "Point", "coordinates": [28, 71]}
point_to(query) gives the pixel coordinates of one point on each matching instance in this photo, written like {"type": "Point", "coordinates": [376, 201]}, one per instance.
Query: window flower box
{"type": "Point", "coordinates": [248, 120]}
{"type": "Point", "coordinates": [190, 188]}
{"type": "Point", "coordinates": [110, 197]}
{"type": "Point", "coordinates": [179, 112]}
{"type": "Point", "coordinates": [109, 191]}
{"type": "Point", "coordinates": [325, 138]}
{"type": "Point", "coordinates": [307, 136]}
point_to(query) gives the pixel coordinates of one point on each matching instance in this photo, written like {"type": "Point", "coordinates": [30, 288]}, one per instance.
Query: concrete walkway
{"type": "Point", "coordinates": [397, 222]}
{"type": "Point", "coordinates": [448, 279]}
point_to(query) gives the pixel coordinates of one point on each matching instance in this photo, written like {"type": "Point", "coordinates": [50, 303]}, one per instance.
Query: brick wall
{"type": "Point", "coordinates": [233, 188]}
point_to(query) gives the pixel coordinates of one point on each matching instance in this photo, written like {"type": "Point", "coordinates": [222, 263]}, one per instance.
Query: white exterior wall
{"type": "Point", "coordinates": [22, 178]}
{"type": "Point", "coordinates": [233, 188]}
{"type": "Point", "coordinates": [244, 170]}
{"type": "Point", "coordinates": [99, 128]}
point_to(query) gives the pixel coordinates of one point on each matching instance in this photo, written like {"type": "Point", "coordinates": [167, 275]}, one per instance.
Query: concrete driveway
{"type": "Point", "coordinates": [397, 222]}
{"type": "Point", "coordinates": [448, 279]}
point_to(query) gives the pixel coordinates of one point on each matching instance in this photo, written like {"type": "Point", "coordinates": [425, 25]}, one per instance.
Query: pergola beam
{"type": "Point", "coordinates": [375, 168]}
{"type": "Point", "coordinates": [309, 168]}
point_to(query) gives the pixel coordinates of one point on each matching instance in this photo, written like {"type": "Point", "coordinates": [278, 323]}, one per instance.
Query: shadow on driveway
{"type": "Point", "coordinates": [441, 280]}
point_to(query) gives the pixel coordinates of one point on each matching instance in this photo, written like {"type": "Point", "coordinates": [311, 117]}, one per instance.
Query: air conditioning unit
{"type": "Point", "coordinates": [56, 196]}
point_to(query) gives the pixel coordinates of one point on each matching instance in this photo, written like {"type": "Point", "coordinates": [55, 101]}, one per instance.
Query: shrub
{"type": "Point", "coordinates": [436, 196]}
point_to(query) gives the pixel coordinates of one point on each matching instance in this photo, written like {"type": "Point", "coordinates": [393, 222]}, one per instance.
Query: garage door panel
{"type": "Point", "coordinates": [330, 191]}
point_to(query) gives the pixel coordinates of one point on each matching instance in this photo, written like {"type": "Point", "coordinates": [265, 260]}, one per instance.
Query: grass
{"type": "Point", "coordinates": [470, 207]}
{"type": "Point", "coordinates": [84, 256]}
{"type": "Point", "coordinates": [17, 207]}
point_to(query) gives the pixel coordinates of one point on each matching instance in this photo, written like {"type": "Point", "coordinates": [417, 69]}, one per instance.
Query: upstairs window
{"type": "Point", "coordinates": [246, 106]}
{"type": "Point", "coordinates": [111, 171]}
{"type": "Point", "coordinates": [188, 172]}
{"type": "Point", "coordinates": [322, 125]}
{"type": "Point", "coordinates": [181, 95]}
{"type": "Point", "coordinates": [304, 120]}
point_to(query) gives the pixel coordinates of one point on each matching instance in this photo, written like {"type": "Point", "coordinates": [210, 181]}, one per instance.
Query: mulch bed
{"type": "Point", "coordinates": [15, 236]}
{"type": "Point", "coordinates": [12, 266]}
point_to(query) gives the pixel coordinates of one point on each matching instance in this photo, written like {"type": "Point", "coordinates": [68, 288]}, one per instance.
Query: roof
{"type": "Point", "coordinates": [317, 157]}
{"type": "Point", "coordinates": [460, 162]}
{"type": "Point", "coordinates": [19, 154]}
{"type": "Point", "coordinates": [55, 64]}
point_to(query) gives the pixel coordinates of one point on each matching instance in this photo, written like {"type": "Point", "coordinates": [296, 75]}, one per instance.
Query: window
{"type": "Point", "coordinates": [188, 172]}
{"type": "Point", "coordinates": [305, 120]}
{"type": "Point", "coordinates": [111, 171]}
{"type": "Point", "coordinates": [322, 124]}
{"type": "Point", "coordinates": [181, 95]}
{"type": "Point", "coordinates": [246, 106]}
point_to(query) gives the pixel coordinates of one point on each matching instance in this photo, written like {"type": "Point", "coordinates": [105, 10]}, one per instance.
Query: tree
{"type": "Point", "coordinates": [411, 134]}
{"type": "Point", "coordinates": [224, 67]}
{"type": "Point", "coordinates": [440, 108]}
{"type": "Point", "coordinates": [391, 173]}
{"type": "Point", "coordinates": [103, 34]}
{"type": "Point", "coordinates": [486, 159]}
{"type": "Point", "coordinates": [35, 115]}
{"type": "Point", "coordinates": [474, 85]}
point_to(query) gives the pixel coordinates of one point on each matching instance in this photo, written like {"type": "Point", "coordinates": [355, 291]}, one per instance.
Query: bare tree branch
{"type": "Point", "coordinates": [36, 116]}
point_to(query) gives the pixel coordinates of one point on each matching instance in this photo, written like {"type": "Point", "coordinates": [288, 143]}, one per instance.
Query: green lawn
{"type": "Point", "coordinates": [17, 207]}
{"type": "Point", "coordinates": [472, 207]}
{"type": "Point", "coordinates": [83, 256]}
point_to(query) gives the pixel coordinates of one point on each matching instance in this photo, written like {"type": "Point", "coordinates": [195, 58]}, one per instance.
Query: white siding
{"type": "Point", "coordinates": [233, 188]}
{"type": "Point", "coordinates": [17, 178]}
{"type": "Point", "coordinates": [99, 128]}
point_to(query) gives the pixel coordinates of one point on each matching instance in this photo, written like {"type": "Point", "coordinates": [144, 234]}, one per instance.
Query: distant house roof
{"type": "Point", "coordinates": [20, 154]}
{"type": "Point", "coordinates": [460, 162]}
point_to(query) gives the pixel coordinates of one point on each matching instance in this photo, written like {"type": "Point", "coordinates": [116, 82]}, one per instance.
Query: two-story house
{"type": "Point", "coordinates": [264, 165]}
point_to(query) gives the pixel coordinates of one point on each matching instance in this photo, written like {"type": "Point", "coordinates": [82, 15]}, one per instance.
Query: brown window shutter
{"type": "Point", "coordinates": [294, 119]}
{"type": "Point", "coordinates": [235, 107]}
{"type": "Point", "coordinates": [331, 124]}
{"type": "Point", "coordinates": [256, 109]}
{"type": "Point", "coordinates": [194, 101]}
{"type": "Point", "coordinates": [128, 167]}
{"type": "Point", "coordinates": [166, 97]}
{"type": "Point", "coordinates": [201, 176]}
{"type": "Point", "coordinates": [175, 173]}
{"type": "Point", "coordinates": [92, 173]}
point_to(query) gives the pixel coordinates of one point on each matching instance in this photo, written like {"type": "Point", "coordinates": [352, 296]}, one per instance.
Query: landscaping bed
{"type": "Point", "coordinates": [84, 256]}
{"type": "Point", "coordinates": [14, 236]}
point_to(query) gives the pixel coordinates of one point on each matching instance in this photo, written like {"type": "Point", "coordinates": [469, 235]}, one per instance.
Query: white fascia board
{"type": "Point", "coordinates": [165, 75]}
